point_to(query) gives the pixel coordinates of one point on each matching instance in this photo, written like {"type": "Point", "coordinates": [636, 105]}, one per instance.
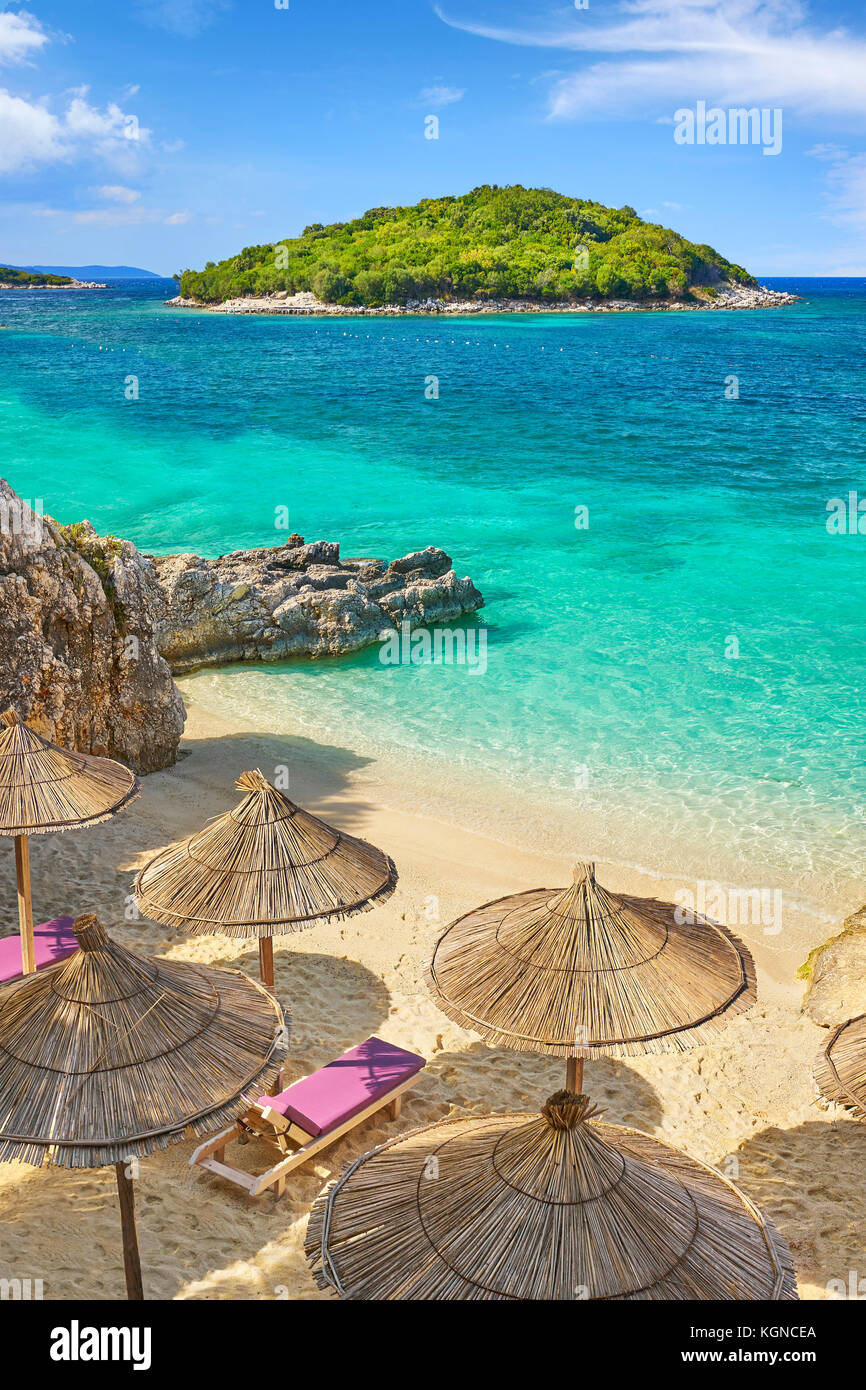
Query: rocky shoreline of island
{"type": "Point", "coordinates": [50, 285]}
{"type": "Point", "coordinates": [305, 304]}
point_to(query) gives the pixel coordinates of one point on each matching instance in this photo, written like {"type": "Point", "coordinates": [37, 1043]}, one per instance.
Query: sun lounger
{"type": "Point", "coordinates": [313, 1113]}
{"type": "Point", "coordinates": [52, 942]}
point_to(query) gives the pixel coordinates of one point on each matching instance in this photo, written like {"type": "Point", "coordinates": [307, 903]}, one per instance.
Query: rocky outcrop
{"type": "Point", "coordinates": [836, 973]}
{"type": "Point", "coordinates": [91, 630]}
{"type": "Point", "coordinates": [722, 295]}
{"type": "Point", "coordinates": [78, 659]}
{"type": "Point", "coordinates": [298, 600]}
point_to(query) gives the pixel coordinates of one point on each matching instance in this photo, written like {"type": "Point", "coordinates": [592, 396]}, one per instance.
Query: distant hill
{"type": "Point", "coordinates": [11, 275]}
{"type": "Point", "coordinates": [494, 242]}
{"type": "Point", "coordinates": [94, 272]}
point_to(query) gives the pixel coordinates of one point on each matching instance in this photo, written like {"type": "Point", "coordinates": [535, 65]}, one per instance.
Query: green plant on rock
{"type": "Point", "coordinates": [98, 552]}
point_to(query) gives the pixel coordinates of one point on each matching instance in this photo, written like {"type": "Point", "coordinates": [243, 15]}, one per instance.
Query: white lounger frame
{"type": "Point", "coordinates": [211, 1154]}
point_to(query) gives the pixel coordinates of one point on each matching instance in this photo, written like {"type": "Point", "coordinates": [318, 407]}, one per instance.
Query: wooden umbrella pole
{"type": "Point", "coordinates": [131, 1257]}
{"type": "Point", "coordinates": [574, 1075]}
{"type": "Point", "coordinates": [266, 960]}
{"type": "Point", "coordinates": [25, 904]}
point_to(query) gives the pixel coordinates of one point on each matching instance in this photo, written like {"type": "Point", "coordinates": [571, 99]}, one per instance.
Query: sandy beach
{"type": "Point", "coordinates": [745, 1105]}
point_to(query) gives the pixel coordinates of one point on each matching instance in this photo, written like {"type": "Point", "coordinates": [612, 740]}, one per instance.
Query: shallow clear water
{"type": "Point", "coordinates": [610, 691]}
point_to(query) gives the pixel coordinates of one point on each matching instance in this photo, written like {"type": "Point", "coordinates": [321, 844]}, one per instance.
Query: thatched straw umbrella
{"type": "Point", "coordinates": [840, 1070]}
{"type": "Point", "coordinates": [113, 1055]}
{"type": "Point", "coordinates": [558, 1207]}
{"type": "Point", "coordinates": [265, 868]}
{"type": "Point", "coordinates": [44, 789]}
{"type": "Point", "coordinates": [581, 972]}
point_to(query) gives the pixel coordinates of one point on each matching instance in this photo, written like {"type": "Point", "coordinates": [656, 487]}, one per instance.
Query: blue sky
{"type": "Point", "coordinates": [164, 133]}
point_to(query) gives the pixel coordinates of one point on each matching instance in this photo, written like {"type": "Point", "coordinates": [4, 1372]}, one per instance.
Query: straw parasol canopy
{"type": "Point", "coordinates": [267, 867]}
{"type": "Point", "coordinates": [840, 1070]}
{"type": "Point", "coordinates": [582, 972]}
{"type": "Point", "coordinates": [557, 1207]}
{"type": "Point", "coordinates": [113, 1055]}
{"type": "Point", "coordinates": [45, 789]}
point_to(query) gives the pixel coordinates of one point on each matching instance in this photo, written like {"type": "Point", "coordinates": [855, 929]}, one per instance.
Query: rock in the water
{"type": "Point", "coordinates": [91, 630]}
{"type": "Point", "coordinates": [299, 600]}
{"type": "Point", "coordinates": [837, 975]}
{"type": "Point", "coordinates": [78, 659]}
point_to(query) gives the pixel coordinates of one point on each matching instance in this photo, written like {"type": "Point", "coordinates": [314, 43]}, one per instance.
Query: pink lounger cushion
{"type": "Point", "coordinates": [346, 1086]}
{"type": "Point", "coordinates": [52, 942]}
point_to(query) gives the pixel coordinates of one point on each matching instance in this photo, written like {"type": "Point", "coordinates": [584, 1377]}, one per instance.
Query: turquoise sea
{"type": "Point", "coordinates": [614, 699]}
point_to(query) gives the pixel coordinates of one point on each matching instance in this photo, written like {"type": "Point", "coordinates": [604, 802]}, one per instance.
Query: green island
{"type": "Point", "coordinates": [8, 276]}
{"type": "Point", "coordinates": [513, 242]}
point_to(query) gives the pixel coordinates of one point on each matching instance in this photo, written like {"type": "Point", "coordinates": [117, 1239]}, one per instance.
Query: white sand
{"type": "Point", "coordinates": [746, 1105]}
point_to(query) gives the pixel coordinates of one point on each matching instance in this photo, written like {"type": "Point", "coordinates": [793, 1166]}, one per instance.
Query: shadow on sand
{"type": "Point", "coordinates": [92, 870]}
{"type": "Point", "coordinates": [809, 1179]}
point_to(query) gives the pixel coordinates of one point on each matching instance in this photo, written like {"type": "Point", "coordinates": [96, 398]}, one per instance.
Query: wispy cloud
{"type": "Point", "coordinates": [845, 197]}
{"type": "Point", "coordinates": [186, 18]}
{"type": "Point", "coordinates": [828, 153]}
{"type": "Point", "coordinates": [753, 52]}
{"type": "Point", "coordinates": [441, 96]}
{"type": "Point", "coordinates": [115, 217]}
{"type": "Point", "coordinates": [650, 214]}
{"type": "Point", "coordinates": [21, 36]}
{"type": "Point", "coordinates": [117, 193]}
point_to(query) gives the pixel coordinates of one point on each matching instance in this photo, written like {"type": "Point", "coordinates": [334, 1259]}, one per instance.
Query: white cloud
{"type": "Point", "coordinates": [117, 193]}
{"type": "Point", "coordinates": [28, 134]}
{"type": "Point", "coordinates": [31, 134]}
{"type": "Point", "coordinates": [21, 36]}
{"type": "Point", "coordinates": [441, 96]}
{"type": "Point", "coordinates": [828, 153]}
{"type": "Point", "coordinates": [731, 52]}
{"type": "Point", "coordinates": [846, 189]}
{"type": "Point", "coordinates": [115, 217]}
{"type": "Point", "coordinates": [650, 214]}
{"type": "Point", "coordinates": [845, 186]}
{"type": "Point", "coordinates": [186, 18]}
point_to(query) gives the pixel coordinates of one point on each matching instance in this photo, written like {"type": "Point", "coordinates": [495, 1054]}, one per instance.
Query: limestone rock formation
{"type": "Point", "coordinates": [299, 600]}
{"type": "Point", "coordinates": [837, 975]}
{"type": "Point", "coordinates": [78, 659]}
{"type": "Point", "coordinates": [91, 630]}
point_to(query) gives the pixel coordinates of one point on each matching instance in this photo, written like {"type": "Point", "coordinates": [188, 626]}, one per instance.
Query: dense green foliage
{"type": "Point", "coordinates": [515, 241]}
{"type": "Point", "coordinates": [26, 277]}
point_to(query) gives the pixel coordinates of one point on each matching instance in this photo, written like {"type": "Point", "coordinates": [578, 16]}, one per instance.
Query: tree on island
{"type": "Point", "coordinates": [8, 276]}
{"type": "Point", "coordinates": [512, 242]}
